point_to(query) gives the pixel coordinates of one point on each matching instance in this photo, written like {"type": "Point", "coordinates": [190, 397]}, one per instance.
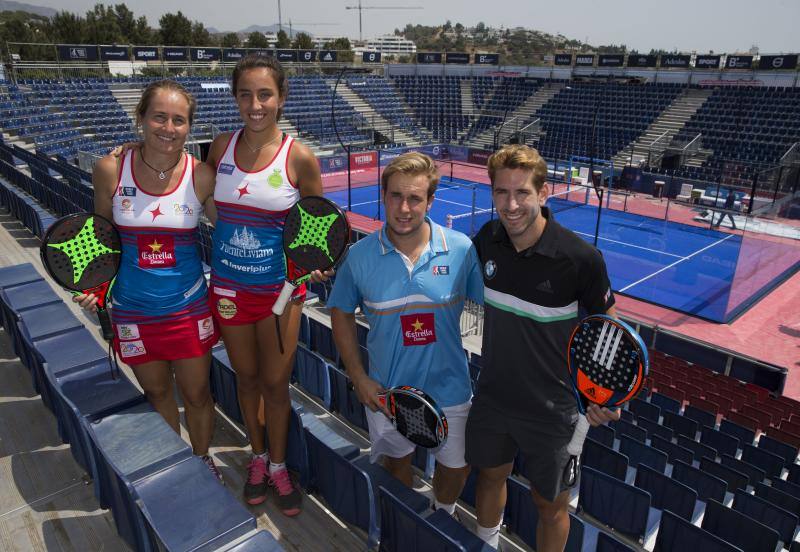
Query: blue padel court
{"type": "Point", "coordinates": [695, 270]}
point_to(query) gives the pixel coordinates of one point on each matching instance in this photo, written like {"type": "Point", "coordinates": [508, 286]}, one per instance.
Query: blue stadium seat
{"type": "Point", "coordinates": [744, 434]}
{"type": "Point", "coordinates": [680, 425]}
{"type": "Point", "coordinates": [666, 404]}
{"type": "Point", "coordinates": [702, 417]}
{"type": "Point", "coordinates": [403, 529]}
{"type": "Point", "coordinates": [119, 463]}
{"type": "Point", "coordinates": [674, 452]}
{"type": "Point", "coordinates": [19, 274]}
{"type": "Point", "coordinates": [88, 394]}
{"type": "Point", "coordinates": [639, 453]}
{"type": "Point", "coordinates": [345, 401]}
{"type": "Point", "coordinates": [667, 493]}
{"type": "Point", "coordinates": [521, 517]}
{"type": "Point", "coordinates": [785, 451]}
{"type": "Point", "coordinates": [621, 427]}
{"type": "Point", "coordinates": [754, 474]}
{"type": "Point", "coordinates": [222, 381]}
{"type": "Point", "coordinates": [771, 463]}
{"type": "Point", "coordinates": [707, 486]}
{"type": "Point", "coordinates": [739, 529]}
{"type": "Point", "coordinates": [676, 533]}
{"type": "Point", "coordinates": [322, 340]}
{"type": "Point", "coordinates": [186, 508]}
{"type": "Point", "coordinates": [604, 459]}
{"type": "Point", "coordinates": [261, 541]}
{"type": "Point", "coordinates": [643, 408]}
{"type": "Point", "coordinates": [698, 449]}
{"type": "Point", "coordinates": [732, 477]}
{"type": "Point", "coordinates": [311, 371]}
{"type": "Point", "coordinates": [603, 434]}
{"type": "Point", "coordinates": [654, 428]}
{"type": "Point", "coordinates": [607, 543]}
{"type": "Point", "coordinates": [761, 510]}
{"type": "Point", "coordinates": [620, 506]}
{"type": "Point", "coordinates": [723, 443]}
{"type": "Point", "coordinates": [349, 487]}
{"type": "Point", "coordinates": [779, 498]}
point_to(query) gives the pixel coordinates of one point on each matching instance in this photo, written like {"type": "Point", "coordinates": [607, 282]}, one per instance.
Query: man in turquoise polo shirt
{"type": "Point", "coordinates": [410, 279]}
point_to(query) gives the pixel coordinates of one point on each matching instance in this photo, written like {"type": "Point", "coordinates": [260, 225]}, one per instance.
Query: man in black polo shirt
{"type": "Point", "coordinates": [537, 274]}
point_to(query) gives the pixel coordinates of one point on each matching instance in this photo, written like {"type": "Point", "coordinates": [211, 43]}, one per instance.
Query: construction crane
{"type": "Point", "coordinates": [360, 8]}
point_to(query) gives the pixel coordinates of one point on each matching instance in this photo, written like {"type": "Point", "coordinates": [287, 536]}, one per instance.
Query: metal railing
{"type": "Point", "coordinates": [792, 156]}
{"type": "Point", "coordinates": [691, 148]}
{"type": "Point", "coordinates": [653, 155]}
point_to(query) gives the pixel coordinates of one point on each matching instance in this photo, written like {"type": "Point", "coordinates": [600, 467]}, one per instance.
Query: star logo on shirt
{"type": "Point", "coordinates": [243, 190]}
{"type": "Point", "coordinates": [418, 325]}
{"type": "Point", "coordinates": [155, 246]}
{"type": "Point", "coordinates": [156, 212]}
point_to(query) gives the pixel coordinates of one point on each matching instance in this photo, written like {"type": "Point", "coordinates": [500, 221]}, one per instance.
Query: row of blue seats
{"type": "Point", "coordinates": [162, 497]}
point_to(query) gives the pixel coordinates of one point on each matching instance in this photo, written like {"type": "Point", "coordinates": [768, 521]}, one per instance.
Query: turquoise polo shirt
{"type": "Point", "coordinates": [414, 336]}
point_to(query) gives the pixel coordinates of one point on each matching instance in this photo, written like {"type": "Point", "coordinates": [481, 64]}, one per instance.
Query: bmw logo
{"type": "Point", "coordinates": [490, 269]}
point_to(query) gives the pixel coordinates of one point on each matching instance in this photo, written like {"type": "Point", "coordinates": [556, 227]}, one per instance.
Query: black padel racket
{"type": "Point", "coordinates": [416, 416]}
{"type": "Point", "coordinates": [316, 234]}
{"type": "Point", "coordinates": [607, 363]}
{"type": "Point", "coordinates": [81, 252]}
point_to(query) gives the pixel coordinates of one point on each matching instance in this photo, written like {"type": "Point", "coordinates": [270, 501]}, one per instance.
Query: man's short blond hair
{"type": "Point", "coordinates": [519, 156]}
{"type": "Point", "coordinates": [412, 163]}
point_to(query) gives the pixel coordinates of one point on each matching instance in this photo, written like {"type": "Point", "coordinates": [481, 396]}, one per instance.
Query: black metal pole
{"type": "Point", "coordinates": [599, 211]}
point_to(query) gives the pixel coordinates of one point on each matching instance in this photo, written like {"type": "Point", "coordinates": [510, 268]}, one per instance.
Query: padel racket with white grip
{"type": "Point", "coordinates": [607, 363]}
{"type": "Point", "coordinates": [316, 234]}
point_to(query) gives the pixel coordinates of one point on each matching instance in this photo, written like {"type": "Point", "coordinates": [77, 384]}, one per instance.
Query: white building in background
{"type": "Point", "coordinates": [391, 45]}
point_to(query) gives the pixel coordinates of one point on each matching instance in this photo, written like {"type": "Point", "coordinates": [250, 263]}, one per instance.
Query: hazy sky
{"type": "Point", "coordinates": [702, 25]}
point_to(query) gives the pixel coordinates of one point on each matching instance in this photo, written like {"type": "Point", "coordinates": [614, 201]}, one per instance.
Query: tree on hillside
{"type": "Point", "coordinates": [230, 40]}
{"type": "Point", "coordinates": [175, 29]}
{"type": "Point", "coordinates": [343, 46]}
{"type": "Point", "coordinates": [102, 26]}
{"type": "Point", "coordinates": [200, 35]}
{"type": "Point", "coordinates": [303, 41]}
{"type": "Point", "coordinates": [68, 28]}
{"type": "Point", "coordinates": [257, 40]}
{"type": "Point", "coordinates": [283, 40]}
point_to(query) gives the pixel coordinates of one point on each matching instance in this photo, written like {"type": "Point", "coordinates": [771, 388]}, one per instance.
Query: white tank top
{"type": "Point", "coordinates": [268, 189]}
{"type": "Point", "coordinates": [133, 207]}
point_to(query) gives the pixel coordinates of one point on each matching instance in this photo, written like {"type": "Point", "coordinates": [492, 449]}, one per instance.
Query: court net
{"type": "Point", "coordinates": [470, 222]}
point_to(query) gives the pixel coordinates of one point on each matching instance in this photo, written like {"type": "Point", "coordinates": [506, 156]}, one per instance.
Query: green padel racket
{"type": "Point", "coordinates": [82, 252]}
{"type": "Point", "coordinates": [316, 234]}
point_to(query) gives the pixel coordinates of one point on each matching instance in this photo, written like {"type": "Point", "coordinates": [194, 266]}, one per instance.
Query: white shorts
{"type": "Point", "coordinates": [386, 440]}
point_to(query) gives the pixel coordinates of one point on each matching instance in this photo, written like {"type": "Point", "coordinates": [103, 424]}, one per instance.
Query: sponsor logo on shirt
{"type": "Point", "coordinates": [156, 251]}
{"type": "Point", "coordinates": [225, 168]}
{"type": "Point", "coordinates": [418, 329]}
{"type": "Point", "coordinates": [127, 331]}
{"type": "Point", "coordinates": [129, 349]}
{"type": "Point", "coordinates": [244, 244]}
{"type": "Point", "coordinates": [545, 287]}
{"type": "Point", "coordinates": [129, 191]}
{"type": "Point", "coordinates": [490, 269]}
{"type": "Point", "coordinates": [182, 209]}
{"type": "Point", "coordinates": [205, 328]}
{"type": "Point", "coordinates": [441, 270]}
{"type": "Point", "coordinates": [126, 207]}
{"type": "Point", "coordinates": [226, 308]}
{"type": "Point", "coordinates": [275, 179]}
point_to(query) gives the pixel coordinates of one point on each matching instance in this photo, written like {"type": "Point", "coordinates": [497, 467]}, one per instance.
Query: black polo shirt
{"type": "Point", "coordinates": [532, 300]}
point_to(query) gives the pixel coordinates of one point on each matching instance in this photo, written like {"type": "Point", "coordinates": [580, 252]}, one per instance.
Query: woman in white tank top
{"type": "Point", "coordinates": [260, 174]}
{"type": "Point", "coordinates": [160, 312]}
